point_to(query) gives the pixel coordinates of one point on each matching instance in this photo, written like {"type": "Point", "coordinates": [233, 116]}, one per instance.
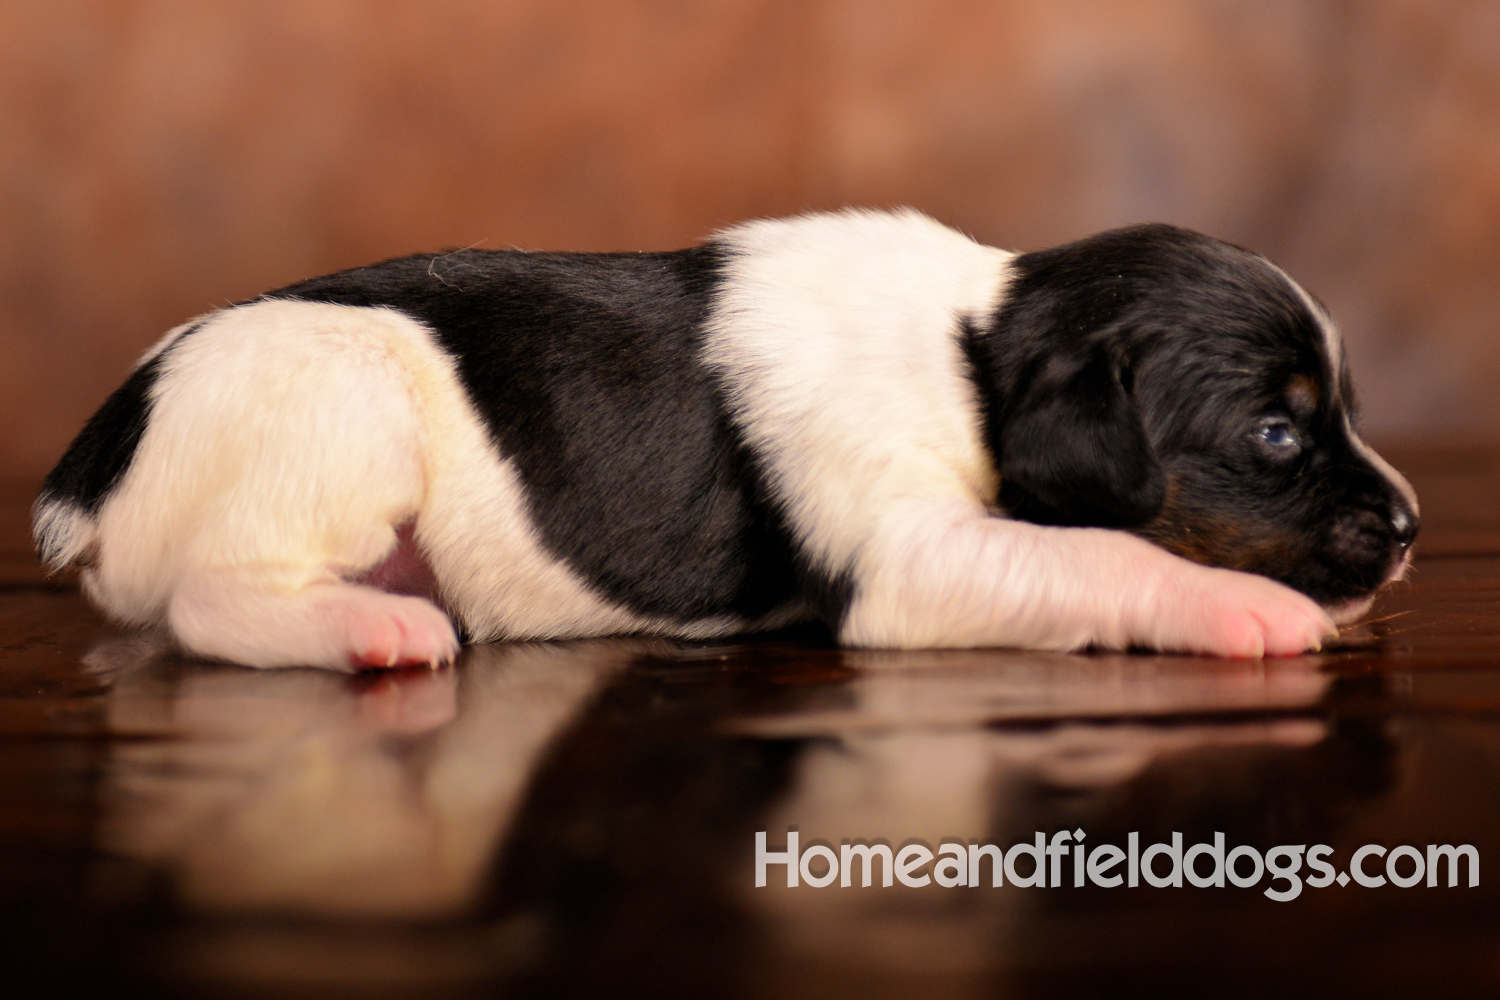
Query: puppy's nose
{"type": "Point", "coordinates": [1404, 525]}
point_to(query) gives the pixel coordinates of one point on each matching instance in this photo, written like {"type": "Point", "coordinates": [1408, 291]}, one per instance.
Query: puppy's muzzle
{"type": "Point", "coordinates": [1373, 541]}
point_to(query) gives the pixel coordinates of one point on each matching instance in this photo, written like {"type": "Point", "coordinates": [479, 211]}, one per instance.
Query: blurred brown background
{"type": "Point", "coordinates": [161, 157]}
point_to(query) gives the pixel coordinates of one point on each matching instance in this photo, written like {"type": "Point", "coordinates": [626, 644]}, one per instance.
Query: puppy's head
{"type": "Point", "coordinates": [1156, 380]}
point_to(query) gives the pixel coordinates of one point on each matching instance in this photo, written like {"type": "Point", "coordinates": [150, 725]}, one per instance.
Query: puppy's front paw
{"type": "Point", "coordinates": [1224, 613]}
{"type": "Point", "coordinates": [389, 631]}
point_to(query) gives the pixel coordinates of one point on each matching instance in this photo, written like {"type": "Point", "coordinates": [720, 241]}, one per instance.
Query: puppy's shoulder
{"type": "Point", "coordinates": [864, 255]}
{"type": "Point", "coordinates": [839, 341]}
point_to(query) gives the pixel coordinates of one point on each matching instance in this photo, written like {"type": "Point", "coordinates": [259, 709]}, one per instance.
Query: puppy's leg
{"type": "Point", "coordinates": [246, 617]}
{"type": "Point", "coordinates": [284, 445]}
{"type": "Point", "coordinates": [953, 576]}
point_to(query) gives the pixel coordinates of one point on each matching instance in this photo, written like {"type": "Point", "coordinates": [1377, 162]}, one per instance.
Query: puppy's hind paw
{"type": "Point", "coordinates": [339, 626]}
{"type": "Point", "coordinates": [385, 630]}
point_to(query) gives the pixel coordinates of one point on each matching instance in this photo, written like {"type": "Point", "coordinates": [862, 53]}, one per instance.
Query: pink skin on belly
{"type": "Point", "coordinates": [405, 571]}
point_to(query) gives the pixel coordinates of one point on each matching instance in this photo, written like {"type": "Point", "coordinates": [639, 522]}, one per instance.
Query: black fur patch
{"type": "Point", "coordinates": [585, 369]}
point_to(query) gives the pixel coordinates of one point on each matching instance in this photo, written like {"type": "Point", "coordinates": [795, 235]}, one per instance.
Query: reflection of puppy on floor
{"type": "Point", "coordinates": [309, 792]}
{"type": "Point", "coordinates": [861, 417]}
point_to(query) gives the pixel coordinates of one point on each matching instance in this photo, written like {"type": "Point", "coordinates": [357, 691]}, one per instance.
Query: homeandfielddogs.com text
{"type": "Point", "coordinates": [1065, 859]}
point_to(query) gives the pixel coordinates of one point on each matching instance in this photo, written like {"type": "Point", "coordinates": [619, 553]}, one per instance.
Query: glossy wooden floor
{"type": "Point", "coordinates": [579, 819]}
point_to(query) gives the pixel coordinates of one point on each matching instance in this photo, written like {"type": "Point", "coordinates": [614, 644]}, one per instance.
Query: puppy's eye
{"type": "Point", "coordinates": [1279, 436]}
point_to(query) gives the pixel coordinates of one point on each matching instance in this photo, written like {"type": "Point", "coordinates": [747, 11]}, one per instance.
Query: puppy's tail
{"type": "Point", "coordinates": [64, 533]}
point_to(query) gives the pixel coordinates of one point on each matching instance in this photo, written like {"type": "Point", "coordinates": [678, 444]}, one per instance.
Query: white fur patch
{"type": "Point", "coordinates": [839, 338]}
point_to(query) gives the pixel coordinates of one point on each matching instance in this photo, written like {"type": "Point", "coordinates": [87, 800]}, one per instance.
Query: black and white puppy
{"type": "Point", "coordinates": [861, 417]}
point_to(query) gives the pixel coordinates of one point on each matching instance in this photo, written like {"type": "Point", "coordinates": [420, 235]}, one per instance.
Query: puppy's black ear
{"type": "Point", "coordinates": [1072, 447]}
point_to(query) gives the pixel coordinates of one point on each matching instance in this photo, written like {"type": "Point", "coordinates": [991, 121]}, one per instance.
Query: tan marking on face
{"type": "Point", "coordinates": [1214, 540]}
{"type": "Point", "coordinates": [1302, 394]}
{"type": "Point", "coordinates": [1333, 346]}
